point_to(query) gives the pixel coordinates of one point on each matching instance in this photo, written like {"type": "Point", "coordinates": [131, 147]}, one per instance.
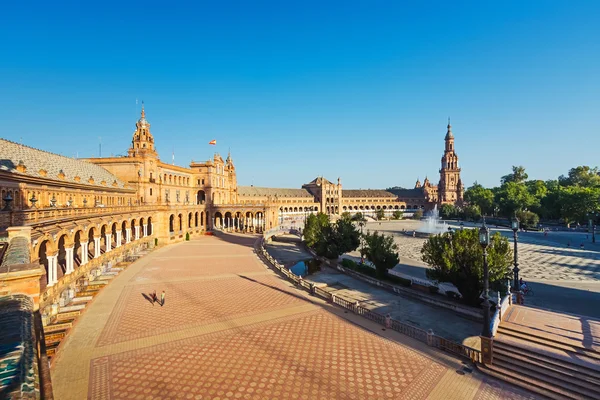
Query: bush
{"type": "Point", "coordinates": [452, 295]}
{"type": "Point", "coordinates": [434, 289]}
{"type": "Point", "coordinates": [187, 236]}
{"type": "Point", "coordinates": [418, 214]}
{"type": "Point", "coordinates": [349, 264]}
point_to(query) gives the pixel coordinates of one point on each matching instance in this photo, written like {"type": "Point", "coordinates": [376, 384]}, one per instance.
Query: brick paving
{"type": "Point", "coordinates": [230, 330]}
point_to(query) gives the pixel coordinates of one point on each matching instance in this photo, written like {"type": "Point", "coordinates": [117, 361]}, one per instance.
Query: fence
{"type": "Point", "coordinates": [386, 320]}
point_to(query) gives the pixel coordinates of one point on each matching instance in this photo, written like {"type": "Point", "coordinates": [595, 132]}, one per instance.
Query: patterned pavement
{"type": "Point", "coordinates": [231, 329]}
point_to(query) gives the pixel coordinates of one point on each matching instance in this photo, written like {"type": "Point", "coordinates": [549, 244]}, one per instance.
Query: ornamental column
{"type": "Point", "coordinates": [118, 243]}
{"type": "Point", "coordinates": [152, 228]}
{"type": "Point", "coordinates": [52, 268]}
{"type": "Point", "coordinates": [69, 259]}
{"type": "Point", "coordinates": [137, 232]}
{"type": "Point", "coordinates": [84, 253]}
{"type": "Point", "coordinates": [145, 230]}
{"type": "Point", "coordinates": [96, 247]}
{"type": "Point", "coordinates": [127, 235]}
{"type": "Point", "coordinates": [108, 237]}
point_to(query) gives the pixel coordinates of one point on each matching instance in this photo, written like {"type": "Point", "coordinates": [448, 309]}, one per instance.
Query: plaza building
{"type": "Point", "coordinates": [74, 212]}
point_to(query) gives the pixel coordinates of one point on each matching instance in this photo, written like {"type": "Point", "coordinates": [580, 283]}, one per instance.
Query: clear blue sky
{"type": "Point", "coordinates": [356, 89]}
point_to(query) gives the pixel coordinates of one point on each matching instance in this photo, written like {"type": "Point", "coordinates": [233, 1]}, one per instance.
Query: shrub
{"type": "Point", "coordinates": [433, 289]}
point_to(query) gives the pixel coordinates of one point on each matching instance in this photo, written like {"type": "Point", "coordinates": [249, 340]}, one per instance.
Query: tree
{"type": "Point", "coordinates": [346, 215]}
{"type": "Point", "coordinates": [313, 228]}
{"type": "Point", "coordinates": [380, 214]}
{"type": "Point", "coordinates": [481, 197]}
{"type": "Point", "coordinates": [360, 219]}
{"type": "Point", "coordinates": [448, 211]}
{"type": "Point", "coordinates": [382, 251]}
{"type": "Point", "coordinates": [513, 197]}
{"type": "Point", "coordinates": [472, 212]}
{"type": "Point", "coordinates": [577, 202]}
{"type": "Point", "coordinates": [418, 214]}
{"type": "Point", "coordinates": [581, 176]}
{"type": "Point", "coordinates": [340, 238]}
{"type": "Point", "coordinates": [517, 176]}
{"type": "Point", "coordinates": [458, 258]}
{"type": "Point", "coordinates": [528, 219]}
{"type": "Point", "coordinates": [398, 214]}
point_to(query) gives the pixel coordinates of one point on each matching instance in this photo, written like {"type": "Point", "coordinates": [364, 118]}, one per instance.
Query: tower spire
{"type": "Point", "coordinates": [449, 134]}
{"type": "Point", "coordinates": [143, 112]}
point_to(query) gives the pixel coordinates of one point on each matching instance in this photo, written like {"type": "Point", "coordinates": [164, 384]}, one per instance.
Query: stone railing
{"type": "Point", "coordinates": [38, 216]}
{"type": "Point", "coordinates": [386, 320]}
{"type": "Point", "coordinates": [501, 310]}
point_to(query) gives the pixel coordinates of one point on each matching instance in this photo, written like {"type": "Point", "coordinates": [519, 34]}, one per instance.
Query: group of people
{"type": "Point", "coordinates": [154, 298]}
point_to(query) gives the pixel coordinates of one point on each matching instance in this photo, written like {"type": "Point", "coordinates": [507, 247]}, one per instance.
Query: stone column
{"type": "Point", "coordinates": [152, 228]}
{"type": "Point", "coordinates": [118, 243]}
{"type": "Point", "coordinates": [96, 247]}
{"type": "Point", "coordinates": [69, 259]}
{"type": "Point", "coordinates": [145, 230]}
{"type": "Point", "coordinates": [52, 269]}
{"type": "Point", "coordinates": [84, 253]}
{"type": "Point", "coordinates": [127, 235]}
{"type": "Point", "coordinates": [108, 242]}
{"type": "Point", "coordinates": [137, 232]}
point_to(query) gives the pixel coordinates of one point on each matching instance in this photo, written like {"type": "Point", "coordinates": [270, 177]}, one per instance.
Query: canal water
{"type": "Point", "coordinates": [306, 267]}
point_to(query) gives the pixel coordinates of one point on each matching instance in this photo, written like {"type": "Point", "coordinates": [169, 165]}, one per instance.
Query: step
{"type": "Point", "coordinates": [54, 338]}
{"type": "Point", "coordinates": [88, 292]}
{"type": "Point", "coordinates": [554, 338]}
{"type": "Point", "coordinates": [76, 307]}
{"type": "Point", "coordinates": [571, 383]}
{"type": "Point", "coordinates": [67, 316]}
{"type": "Point", "coordinates": [550, 343]}
{"type": "Point", "coordinates": [563, 367]}
{"type": "Point", "coordinates": [98, 282]}
{"type": "Point", "coordinates": [574, 364]}
{"type": "Point", "coordinates": [542, 388]}
{"type": "Point", "coordinates": [81, 299]}
{"type": "Point", "coordinates": [65, 326]}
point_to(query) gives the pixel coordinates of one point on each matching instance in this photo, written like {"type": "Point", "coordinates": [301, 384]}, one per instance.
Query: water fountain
{"type": "Point", "coordinates": [432, 225]}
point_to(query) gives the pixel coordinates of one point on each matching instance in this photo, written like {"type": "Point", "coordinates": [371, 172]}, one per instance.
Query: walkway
{"type": "Point", "coordinates": [231, 328]}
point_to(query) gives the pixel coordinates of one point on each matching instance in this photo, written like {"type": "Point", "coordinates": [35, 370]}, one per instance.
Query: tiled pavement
{"type": "Point", "coordinates": [231, 329]}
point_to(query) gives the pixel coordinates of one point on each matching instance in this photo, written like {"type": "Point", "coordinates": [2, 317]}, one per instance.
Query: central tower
{"type": "Point", "coordinates": [450, 190]}
{"type": "Point", "coordinates": [143, 141]}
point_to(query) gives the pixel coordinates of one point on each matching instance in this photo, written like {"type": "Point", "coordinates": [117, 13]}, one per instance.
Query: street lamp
{"type": "Point", "coordinates": [515, 229]}
{"type": "Point", "coordinates": [592, 224]}
{"type": "Point", "coordinates": [484, 241]}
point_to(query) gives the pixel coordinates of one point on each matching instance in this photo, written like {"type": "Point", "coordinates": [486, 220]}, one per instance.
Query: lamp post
{"type": "Point", "coordinates": [592, 224]}
{"type": "Point", "coordinates": [484, 241]}
{"type": "Point", "coordinates": [515, 229]}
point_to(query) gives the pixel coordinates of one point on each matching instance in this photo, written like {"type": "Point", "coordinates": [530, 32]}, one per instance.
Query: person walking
{"type": "Point", "coordinates": [162, 298]}
{"type": "Point", "coordinates": [154, 298]}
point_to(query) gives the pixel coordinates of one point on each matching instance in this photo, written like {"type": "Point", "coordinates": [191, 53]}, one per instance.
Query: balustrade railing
{"type": "Point", "coordinates": [390, 323]}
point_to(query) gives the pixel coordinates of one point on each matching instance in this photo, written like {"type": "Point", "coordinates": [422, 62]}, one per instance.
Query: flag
{"type": "Point", "coordinates": [213, 142]}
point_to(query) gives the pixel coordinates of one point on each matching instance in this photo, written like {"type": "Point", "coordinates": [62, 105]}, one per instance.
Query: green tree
{"type": "Point", "coordinates": [518, 175]}
{"type": "Point", "coordinates": [472, 212]}
{"type": "Point", "coordinates": [528, 219]}
{"type": "Point", "coordinates": [346, 215]}
{"type": "Point", "coordinates": [581, 176]}
{"type": "Point", "coordinates": [458, 258]}
{"type": "Point", "coordinates": [382, 251]}
{"type": "Point", "coordinates": [313, 228]}
{"type": "Point", "coordinates": [340, 238]}
{"type": "Point", "coordinates": [397, 214]}
{"type": "Point", "coordinates": [577, 201]}
{"type": "Point", "coordinates": [480, 196]}
{"type": "Point", "coordinates": [512, 197]}
{"type": "Point", "coordinates": [380, 214]}
{"type": "Point", "coordinates": [448, 211]}
{"type": "Point", "coordinates": [418, 214]}
{"type": "Point", "coordinates": [550, 204]}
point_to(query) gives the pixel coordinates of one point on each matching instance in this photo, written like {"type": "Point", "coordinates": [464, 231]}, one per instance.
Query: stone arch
{"type": "Point", "coordinates": [228, 219]}
{"type": "Point", "coordinates": [200, 197]}
{"type": "Point", "coordinates": [149, 230]}
{"type": "Point", "coordinates": [189, 220]}
{"type": "Point", "coordinates": [402, 207]}
{"type": "Point", "coordinates": [180, 221]}
{"type": "Point", "coordinates": [62, 244]}
{"type": "Point", "coordinates": [218, 218]}
{"type": "Point", "coordinates": [123, 232]}
{"type": "Point", "coordinates": [45, 248]}
{"type": "Point", "coordinates": [113, 233]}
{"type": "Point", "coordinates": [132, 227]}
{"type": "Point", "coordinates": [77, 249]}
{"type": "Point", "coordinates": [202, 222]}
{"type": "Point", "coordinates": [103, 232]}
{"type": "Point", "coordinates": [172, 223]}
{"type": "Point", "coordinates": [142, 227]}
{"type": "Point", "coordinates": [91, 234]}
{"type": "Point", "coordinates": [196, 219]}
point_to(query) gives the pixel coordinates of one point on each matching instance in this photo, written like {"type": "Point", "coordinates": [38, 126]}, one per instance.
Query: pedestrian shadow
{"type": "Point", "coordinates": [149, 298]}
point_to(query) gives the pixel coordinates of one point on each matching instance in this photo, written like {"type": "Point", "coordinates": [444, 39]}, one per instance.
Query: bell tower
{"type": "Point", "coordinates": [143, 141]}
{"type": "Point", "coordinates": [450, 190]}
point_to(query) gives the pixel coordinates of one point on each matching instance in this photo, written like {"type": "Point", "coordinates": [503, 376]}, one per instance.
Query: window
{"type": "Point", "coordinates": [150, 191]}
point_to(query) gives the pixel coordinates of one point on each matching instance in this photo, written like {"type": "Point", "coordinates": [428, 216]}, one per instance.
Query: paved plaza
{"type": "Point", "coordinates": [564, 278]}
{"type": "Point", "coordinates": [232, 329]}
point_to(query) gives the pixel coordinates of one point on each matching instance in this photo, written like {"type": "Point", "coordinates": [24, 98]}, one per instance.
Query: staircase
{"type": "Point", "coordinates": [558, 366]}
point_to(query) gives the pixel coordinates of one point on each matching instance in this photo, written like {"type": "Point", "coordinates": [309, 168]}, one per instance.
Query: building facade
{"type": "Point", "coordinates": [74, 216]}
